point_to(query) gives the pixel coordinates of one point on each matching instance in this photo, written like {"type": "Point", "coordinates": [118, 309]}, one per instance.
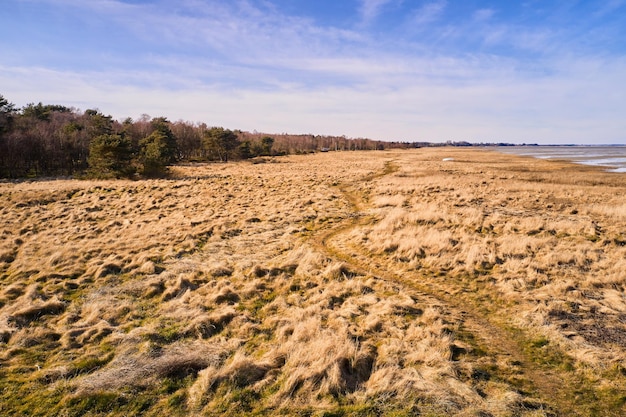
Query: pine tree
{"type": "Point", "coordinates": [155, 154]}
{"type": "Point", "coordinates": [110, 156]}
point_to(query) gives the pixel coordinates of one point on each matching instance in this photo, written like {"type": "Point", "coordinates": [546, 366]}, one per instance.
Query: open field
{"type": "Point", "coordinates": [346, 283]}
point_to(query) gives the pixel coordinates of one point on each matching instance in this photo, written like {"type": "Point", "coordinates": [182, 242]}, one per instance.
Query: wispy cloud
{"type": "Point", "coordinates": [409, 100]}
{"type": "Point", "coordinates": [609, 6]}
{"type": "Point", "coordinates": [248, 65]}
{"type": "Point", "coordinates": [370, 9]}
{"type": "Point", "coordinates": [429, 12]}
{"type": "Point", "coordinates": [482, 15]}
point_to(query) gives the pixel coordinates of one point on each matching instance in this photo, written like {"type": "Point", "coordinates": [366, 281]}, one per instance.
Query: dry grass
{"type": "Point", "coordinates": [537, 245]}
{"type": "Point", "coordinates": [209, 293]}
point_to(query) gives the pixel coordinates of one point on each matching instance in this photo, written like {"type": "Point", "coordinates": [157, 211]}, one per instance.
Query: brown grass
{"type": "Point", "coordinates": [353, 283]}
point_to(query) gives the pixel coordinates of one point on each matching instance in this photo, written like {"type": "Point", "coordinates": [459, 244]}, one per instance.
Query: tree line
{"type": "Point", "coordinates": [51, 140]}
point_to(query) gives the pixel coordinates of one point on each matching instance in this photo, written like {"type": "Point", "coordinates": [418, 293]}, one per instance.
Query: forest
{"type": "Point", "coordinates": [54, 140]}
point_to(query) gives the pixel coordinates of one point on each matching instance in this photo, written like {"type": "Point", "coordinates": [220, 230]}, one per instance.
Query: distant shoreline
{"type": "Point", "coordinates": [610, 157]}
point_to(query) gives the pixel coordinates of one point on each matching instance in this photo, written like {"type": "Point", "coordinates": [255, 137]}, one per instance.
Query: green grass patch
{"type": "Point", "coordinates": [90, 364]}
{"type": "Point", "coordinates": [543, 352]}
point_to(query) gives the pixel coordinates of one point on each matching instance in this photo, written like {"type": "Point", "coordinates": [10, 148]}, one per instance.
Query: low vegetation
{"type": "Point", "coordinates": [334, 284]}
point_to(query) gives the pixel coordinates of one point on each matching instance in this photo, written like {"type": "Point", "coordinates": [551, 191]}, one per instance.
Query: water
{"type": "Point", "coordinates": [611, 157]}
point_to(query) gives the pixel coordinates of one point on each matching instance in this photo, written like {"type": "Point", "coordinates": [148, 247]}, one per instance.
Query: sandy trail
{"type": "Point", "coordinates": [490, 333]}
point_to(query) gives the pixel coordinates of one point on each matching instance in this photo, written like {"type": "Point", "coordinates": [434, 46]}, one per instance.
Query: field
{"type": "Point", "coordinates": [432, 282]}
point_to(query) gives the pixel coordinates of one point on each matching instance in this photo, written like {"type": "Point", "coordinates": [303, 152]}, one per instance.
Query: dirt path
{"type": "Point", "coordinates": [492, 335]}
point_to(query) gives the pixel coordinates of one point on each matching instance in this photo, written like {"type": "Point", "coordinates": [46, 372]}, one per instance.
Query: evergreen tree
{"type": "Point", "coordinates": [220, 143]}
{"type": "Point", "coordinates": [266, 145]}
{"type": "Point", "coordinates": [110, 156]}
{"type": "Point", "coordinates": [155, 154]}
{"type": "Point", "coordinates": [43, 112]}
{"type": "Point", "coordinates": [162, 126]}
{"type": "Point", "coordinates": [245, 150]}
{"type": "Point", "coordinates": [98, 124]}
{"type": "Point", "coordinates": [7, 111]}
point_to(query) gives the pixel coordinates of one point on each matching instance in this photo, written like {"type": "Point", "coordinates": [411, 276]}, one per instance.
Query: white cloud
{"type": "Point", "coordinates": [483, 15]}
{"type": "Point", "coordinates": [250, 67]}
{"type": "Point", "coordinates": [370, 9]}
{"type": "Point", "coordinates": [397, 100]}
{"type": "Point", "coordinates": [609, 6]}
{"type": "Point", "coordinates": [538, 40]}
{"type": "Point", "coordinates": [429, 13]}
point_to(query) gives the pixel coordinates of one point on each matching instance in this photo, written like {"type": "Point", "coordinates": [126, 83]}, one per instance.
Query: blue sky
{"type": "Point", "coordinates": [530, 71]}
